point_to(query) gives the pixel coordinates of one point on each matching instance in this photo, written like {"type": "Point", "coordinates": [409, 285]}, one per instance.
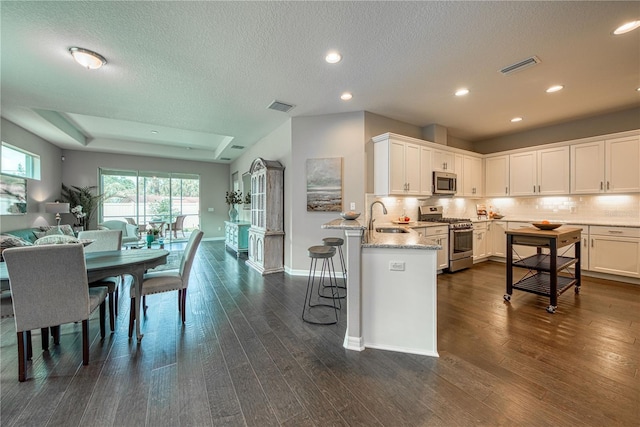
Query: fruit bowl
{"type": "Point", "coordinates": [350, 215]}
{"type": "Point", "coordinates": [545, 226]}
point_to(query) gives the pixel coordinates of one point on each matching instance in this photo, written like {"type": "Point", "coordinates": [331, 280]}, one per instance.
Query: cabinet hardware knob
{"type": "Point", "coordinates": [538, 188]}
{"type": "Point", "coordinates": [591, 242]}
{"type": "Point", "coordinates": [601, 186]}
{"type": "Point", "coordinates": [534, 188]}
{"type": "Point", "coordinates": [607, 185]}
{"type": "Point", "coordinates": [615, 232]}
{"type": "Point", "coordinates": [506, 190]}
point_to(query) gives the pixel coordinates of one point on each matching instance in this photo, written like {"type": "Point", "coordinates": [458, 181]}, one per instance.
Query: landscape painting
{"type": "Point", "coordinates": [324, 185]}
{"type": "Point", "coordinates": [13, 195]}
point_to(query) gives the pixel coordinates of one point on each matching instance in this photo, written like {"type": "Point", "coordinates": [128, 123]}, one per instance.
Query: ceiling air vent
{"type": "Point", "coordinates": [225, 158]}
{"type": "Point", "coordinates": [280, 106]}
{"type": "Point", "coordinates": [237, 147]}
{"type": "Point", "coordinates": [526, 63]}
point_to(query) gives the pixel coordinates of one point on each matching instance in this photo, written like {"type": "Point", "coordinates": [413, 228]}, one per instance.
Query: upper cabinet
{"type": "Point", "coordinates": [496, 176]}
{"type": "Point", "coordinates": [401, 168]}
{"type": "Point", "coordinates": [611, 166]}
{"type": "Point", "coordinates": [443, 161]}
{"type": "Point", "coordinates": [541, 172]}
{"type": "Point", "coordinates": [470, 173]}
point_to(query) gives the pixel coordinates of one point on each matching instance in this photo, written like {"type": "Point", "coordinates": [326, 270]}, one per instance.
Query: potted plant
{"type": "Point", "coordinates": [84, 199]}
{"type": "Point", "coordinates": [233, 198]}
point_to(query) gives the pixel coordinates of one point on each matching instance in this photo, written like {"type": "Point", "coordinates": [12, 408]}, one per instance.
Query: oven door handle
{"type": "Point", "coordinates": [465, 230]}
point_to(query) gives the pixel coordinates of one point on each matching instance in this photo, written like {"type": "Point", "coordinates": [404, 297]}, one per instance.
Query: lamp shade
{"type": "Point", "coordinates": [57, 208]}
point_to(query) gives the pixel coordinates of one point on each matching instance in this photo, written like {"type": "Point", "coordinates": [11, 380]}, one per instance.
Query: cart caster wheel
{"type": "Point", "coordinates": [551, 309]}
{"type": "Point", "coordinates": [577, 290]}
{"type": "Point", "coordinates": [507, 297]}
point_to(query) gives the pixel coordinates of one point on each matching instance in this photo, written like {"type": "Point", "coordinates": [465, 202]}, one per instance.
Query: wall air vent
{"type": "Point", "coordinates": [526, 63]}
{"type": "Point", "coordinates": [237, 147]}
{"type": "Point", "coordinates": [225, 158]}
{"type": "Point", "coordinates": [280, 106]}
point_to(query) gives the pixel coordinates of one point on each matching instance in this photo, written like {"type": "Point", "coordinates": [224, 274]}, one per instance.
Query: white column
{"type": "Point", "coordinates": [353, 337]}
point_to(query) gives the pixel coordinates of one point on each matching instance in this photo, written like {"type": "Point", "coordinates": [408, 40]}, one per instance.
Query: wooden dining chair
{"type": "Point", "coordinates": [49, 288]}
{"type": "Point", "coordinates": [177, 225]}
{"type": "Point", "coordinates": [164, 281]}
{"type": "Point", "coordinates": [106, 240]}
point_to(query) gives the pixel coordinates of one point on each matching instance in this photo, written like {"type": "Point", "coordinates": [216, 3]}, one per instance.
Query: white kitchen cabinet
{"type": "Point", "coordinates": [470, 176]}
{"type": "Point", "coordinates": [440, 235]}
{"type": "Point", "coordinates": [611, 166]}
{"type": "Point", "coordinates": [497, 176]}
{"type": "Point", "coordinates": [480, 239]}
{"type": "Point", "coordinates": [540, 172]}
{"type": "Point", "coordinates": [615, 250]}
{"type": "Point", "coordinates": [400, 166]}
{"type": "Point", "coordinates": [443, 161]}
{"type": "Point", "coordinates": [570, 252]}
{"type": "Point", "coordinates": [497, 244]}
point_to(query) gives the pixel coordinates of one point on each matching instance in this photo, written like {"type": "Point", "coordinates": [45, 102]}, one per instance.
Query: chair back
{"type": "Point", "coordinates": [188, 256]}
{"type": "Point", "coordinates": [131, 221]}
{"type": "Point", "coordinates": [48, 285]}
{"type": "Point", "coordinates": [104, 240]}
{"type": "Point", "coordinates": [179, 222]}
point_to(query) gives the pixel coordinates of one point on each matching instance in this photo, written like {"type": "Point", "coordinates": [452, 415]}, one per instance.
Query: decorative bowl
{"type": "Point", "coordinates": [350, 215]}
{"type": "Point", "coordinates": [548, 226]}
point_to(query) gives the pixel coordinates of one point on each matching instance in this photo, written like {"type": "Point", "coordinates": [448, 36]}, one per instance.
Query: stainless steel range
{"type": "Point", "coordinates": [460, 236]}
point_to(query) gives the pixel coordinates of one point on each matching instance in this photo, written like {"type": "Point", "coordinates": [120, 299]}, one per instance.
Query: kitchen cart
{"type": "Point", "coordinates": [542, 277]}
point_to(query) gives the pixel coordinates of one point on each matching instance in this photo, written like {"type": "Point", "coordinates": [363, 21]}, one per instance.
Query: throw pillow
{"type": "Point", "coordinates": [64, 229]}
{"type": "Point", "coordinates": [10, 241]}
{"type": "Point", "coordinates": [56, 239]}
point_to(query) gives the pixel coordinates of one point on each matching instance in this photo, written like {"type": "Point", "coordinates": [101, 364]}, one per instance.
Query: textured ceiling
{"type": "Point", "coordinates": [201, 74]}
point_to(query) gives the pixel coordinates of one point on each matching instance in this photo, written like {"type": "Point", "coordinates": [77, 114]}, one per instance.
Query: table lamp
{"type": "Point", "coordinates": [57, 208]}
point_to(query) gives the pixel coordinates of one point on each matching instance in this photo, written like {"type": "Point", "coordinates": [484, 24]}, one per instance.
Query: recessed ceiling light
{"type": "Point", "coordinates": [333, 57]}
{"type": "Point", "coordinates": [516, 119]}
{"type": "Point", "coordinates": [638, 89]}
{"type": "Point", "coordinates": [555, 88]}
{"type": "Point", "coordinates": [154, 132]}
{"type": "Point", "coordinates": [88, 59]}
{"type": "Point", "coordinates": [462, 92]}
{"type": "Point", "coordinates": [625, 28]}
{"type": "Point", "coordinates": [346, 96]}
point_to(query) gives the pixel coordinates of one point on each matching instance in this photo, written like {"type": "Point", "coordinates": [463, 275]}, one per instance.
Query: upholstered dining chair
{"type": "Point", "coordinates": [49, 288]}
{"type": "Point", "coordinates": [164, 281]}
{"type": "Point", "coordinates": [177, 225]}
{"type": "Point", "coordinates": [106, 240]}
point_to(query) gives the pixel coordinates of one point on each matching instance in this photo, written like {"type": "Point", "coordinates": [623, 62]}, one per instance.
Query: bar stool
{"type": "Point", "coordinates": [338, 242]}
{"type": "Point", "coordinates": [325, 253]}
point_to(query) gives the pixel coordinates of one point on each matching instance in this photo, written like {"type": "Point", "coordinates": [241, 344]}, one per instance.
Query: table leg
{"type": "Point", "coordinates": [138, 279]}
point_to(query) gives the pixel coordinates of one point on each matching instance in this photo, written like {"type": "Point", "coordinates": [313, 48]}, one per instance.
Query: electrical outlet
{"type": "Point", "coordinates": [210, 209]}
{"type": "Point", "coordinates": [396, 265]}
{"type": "Point", "coordinates": [353, 206]}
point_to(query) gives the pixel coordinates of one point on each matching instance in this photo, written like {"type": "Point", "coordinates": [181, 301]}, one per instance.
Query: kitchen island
{"type": "Point", "coordinates": [391, 289]}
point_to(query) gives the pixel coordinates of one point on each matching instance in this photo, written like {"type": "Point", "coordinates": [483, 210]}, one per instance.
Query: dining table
{"type": "Point", "coordinates": [101, 265]}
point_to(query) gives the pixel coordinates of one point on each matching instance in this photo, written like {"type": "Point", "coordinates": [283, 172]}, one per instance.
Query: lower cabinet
{"type": "Point", "coordinates": [615, 250]}
{"type": "Point", "coordinates": [440, 235]}
{"type": "Point", "coordinates": [497, 243]}
{"type": "Point", "coordinates": [480, 240]}
{"type": "Point", "coordinates": [236, 236]}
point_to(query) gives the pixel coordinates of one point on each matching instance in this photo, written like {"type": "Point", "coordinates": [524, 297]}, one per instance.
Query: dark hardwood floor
{"type": "Point", "coordinates": [244, 357]}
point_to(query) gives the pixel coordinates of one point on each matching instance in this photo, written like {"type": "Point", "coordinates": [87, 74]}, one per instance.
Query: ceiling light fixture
{"type": "Point", "coordinates": [346, 96]}
{"type": "Point", "coordinates": [462, 92]}
{"type": "Point", "coordinates": [333, 57]}
{"type": "Point", "coordinates": [516, 119]}
{"type": "Point", "coordinates": [88, 59]}
{"type": "Point", "coordinates": [625, 28]}
{"type": "Point", "coordinates": [154, 132]}
{"type": "Point", "coordinates": [555, 88]}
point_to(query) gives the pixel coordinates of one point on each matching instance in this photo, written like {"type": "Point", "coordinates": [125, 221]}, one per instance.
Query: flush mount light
{"type": "Point", "coordinates": [154, 132]}
{"type": "Point", "coordinates": [333, 57]}
{"type": "Point", "coordinates": [516, 119]}
{"type": "Point", "coordinates": [88, 59]}
{"type": "Point", "coordinates": [462, 92]}
{"type": "Point", "coordinates": [625, 28]}
{"type": "Point", "coordinates": [555, 88]}
{"type": "Point", "coordinates": [346, 96]}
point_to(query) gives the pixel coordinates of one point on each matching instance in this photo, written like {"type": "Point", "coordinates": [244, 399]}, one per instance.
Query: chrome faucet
{"type": "Point", "coordinates": [384, 210]}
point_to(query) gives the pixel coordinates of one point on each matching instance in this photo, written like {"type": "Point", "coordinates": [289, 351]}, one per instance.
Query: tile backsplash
{"type": "Point", "coordinates": [607, 209]}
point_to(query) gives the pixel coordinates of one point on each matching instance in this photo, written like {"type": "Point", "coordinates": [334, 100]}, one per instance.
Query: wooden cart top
{"type": "Point", "coordinates": [561, 232]}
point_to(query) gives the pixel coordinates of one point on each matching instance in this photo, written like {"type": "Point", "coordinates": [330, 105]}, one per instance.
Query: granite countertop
{"type": "Point", "coordinates": [622, 223]}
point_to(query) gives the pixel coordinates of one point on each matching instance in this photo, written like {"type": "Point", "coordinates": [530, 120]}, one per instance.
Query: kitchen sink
{"type": "Point", "coordinates": [391, 230]}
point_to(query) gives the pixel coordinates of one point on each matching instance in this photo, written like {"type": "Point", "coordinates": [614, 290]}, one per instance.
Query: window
{"type": "Point", "coordinates": [151, 198]}
{"type": "Point", "coordinates": [20, 163]}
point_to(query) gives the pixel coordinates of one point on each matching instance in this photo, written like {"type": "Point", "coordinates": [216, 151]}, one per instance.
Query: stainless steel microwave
{"type": "Point", "coordinates": [444, 183]}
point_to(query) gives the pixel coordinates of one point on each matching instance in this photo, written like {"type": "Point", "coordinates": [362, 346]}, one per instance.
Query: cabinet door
{"type": "Point", "coordinates": [426, 175]}
{"type": "Point", "coordinates": [498, 238]}
{"type": "Point", "coordinates": [397, 180]}
{"type": "Point", "coordinates": [443, 161]}
{"type": "Point", "coordinates": [615, 255]}
{"type": "Point", "coordinates": [412, 169]}
{"type": "Point", "coordinates": [553, 171]}
{"type": "Point", "coordinates": [622, 168]}
{"type": "Point", "coordinates": [479, 244]}
{"type": "Point", "coordinates": [443, 254]}
{"type": "Point", "coordinates": [523, 174]}
{"type": "Point", "coordinates": [569, 251]}
{"type": "Point", "coordinates": [497, 176]}
{"type": "Point", "coordinates": [587, 168]}
{"type": "Point", "coordinates": [473, 175]}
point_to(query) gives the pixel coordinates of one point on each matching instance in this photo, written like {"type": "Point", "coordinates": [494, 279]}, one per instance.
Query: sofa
{"type": "Point", "coordinates": [130, 232]}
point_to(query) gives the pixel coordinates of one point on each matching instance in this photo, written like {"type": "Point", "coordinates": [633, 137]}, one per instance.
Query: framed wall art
{"type": "Point", "coordinates": [324, 185]}
{"type": "Point", "coordinates": [13, 195]}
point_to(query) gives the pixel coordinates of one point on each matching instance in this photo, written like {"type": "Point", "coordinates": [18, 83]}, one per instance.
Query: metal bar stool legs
{"type": "Point", "coordinates": [325, 253]}
{"type": "Point", "coordinates": [337, 242]}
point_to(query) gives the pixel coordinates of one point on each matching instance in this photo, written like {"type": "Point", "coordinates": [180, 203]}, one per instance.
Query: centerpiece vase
{"type": "Point", "coordinates": [233, 213]}
{"type": "Point", "coordinates": [149, 240]}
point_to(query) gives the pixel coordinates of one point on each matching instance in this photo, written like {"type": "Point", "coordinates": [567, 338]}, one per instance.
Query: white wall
{"type": "Point", "coordinates": [81, 169]}
{"type": "Point", "coordinates": [45, 190]}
